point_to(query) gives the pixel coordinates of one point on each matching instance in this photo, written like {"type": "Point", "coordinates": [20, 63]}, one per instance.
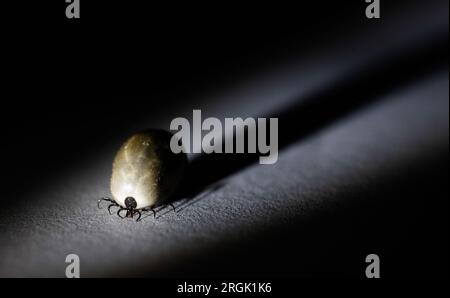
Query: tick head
{"type": "Point", "coordinates": [130, 203]}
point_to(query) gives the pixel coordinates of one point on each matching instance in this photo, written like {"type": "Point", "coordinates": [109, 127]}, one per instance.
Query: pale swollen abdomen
{"type": "Point", "coordinates": [146, 169]}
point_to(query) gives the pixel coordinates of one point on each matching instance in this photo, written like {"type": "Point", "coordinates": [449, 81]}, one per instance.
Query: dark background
{"type": "Point", "coordinates": [155, 56]}
{"type": "Point", "coordinates": [71, 88]}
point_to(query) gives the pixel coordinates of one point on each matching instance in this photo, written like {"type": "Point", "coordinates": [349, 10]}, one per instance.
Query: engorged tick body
{"type": "Point", "coordinates": [145, 173]}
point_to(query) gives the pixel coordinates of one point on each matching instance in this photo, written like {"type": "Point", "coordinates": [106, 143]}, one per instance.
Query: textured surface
{"type": "Point", "coordinates": [312, 177]}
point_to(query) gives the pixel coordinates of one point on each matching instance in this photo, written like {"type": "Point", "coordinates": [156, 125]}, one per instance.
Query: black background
{"type": "Point", "coordinates": [65, 79]}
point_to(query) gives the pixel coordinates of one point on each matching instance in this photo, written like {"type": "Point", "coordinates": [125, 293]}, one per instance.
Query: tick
{"type": "Point", "coordinates": [145, 173]}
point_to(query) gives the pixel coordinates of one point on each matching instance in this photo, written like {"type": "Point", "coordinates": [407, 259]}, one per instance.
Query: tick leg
{"type": "Point", "coordinates": [104, 199]}
{"type": "Point", "coordinates": [173, 206]}
{"type": "Point", "coordinates": [150, 209]}
{"type": "Point", "coordinates": [139, 215]}
{"type": "Point", "coordinates": [120, 210]}
{"type": "Point", "coordinates": [112, 205]}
